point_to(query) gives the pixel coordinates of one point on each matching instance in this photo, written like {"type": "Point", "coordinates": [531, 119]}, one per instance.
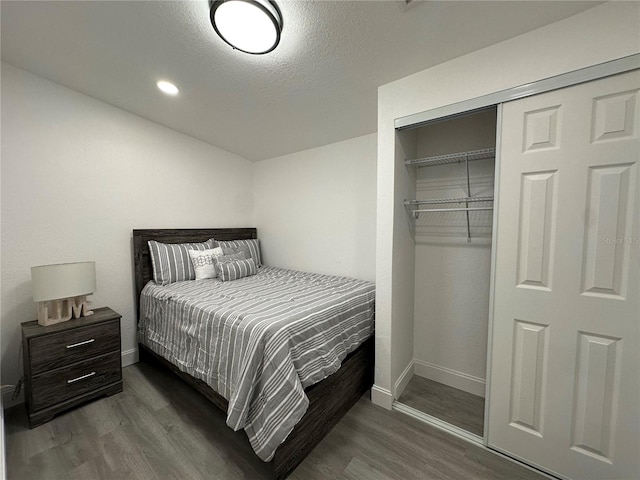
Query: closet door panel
{"type": "Point", "coordinates": [535, 240]}
{"type": "Point", "coordinates": [565, 389]}
{"type": "Point", "coordinates": [596, 395]}
{"type": "Point", "coordinates": [606, 261]}
{"type": "Point", "coordinates": [529, 370]}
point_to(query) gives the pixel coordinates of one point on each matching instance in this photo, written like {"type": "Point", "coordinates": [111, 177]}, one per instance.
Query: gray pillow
{"type": "Point", "coordinates": [171, 261]}
{"type": "Point", "coordinates": [253, 245]}
{"type": "Point", "coordinates": [239, 249]}
{"type": "Point", "coordinates": [236, 269]}
{"type": "Point", "coordinates": [229, 258]}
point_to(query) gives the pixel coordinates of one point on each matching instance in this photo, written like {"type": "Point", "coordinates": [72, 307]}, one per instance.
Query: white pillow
{"type": "Point", "coordinates": [203, 262]}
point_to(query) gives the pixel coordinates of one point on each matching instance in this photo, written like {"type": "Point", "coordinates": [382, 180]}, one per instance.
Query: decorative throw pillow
{"type": "Point", "coordinates": [171, 261]}
{"type": "Point", "coordinates": [204, 262]}
{"type": "Point", "coordinates": [229, 258]}
{"type": "Point", "coordinates": [239, 249]}
{"type": "Point", "coordinates": [253, 245]}
{"type": "Point", "coordinates": [236, 269]}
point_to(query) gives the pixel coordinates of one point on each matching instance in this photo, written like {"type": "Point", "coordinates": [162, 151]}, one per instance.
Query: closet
{"type": "Point", "coordinates": [525, 220]}
{"type": "Point", "coordinates": [452, 165]}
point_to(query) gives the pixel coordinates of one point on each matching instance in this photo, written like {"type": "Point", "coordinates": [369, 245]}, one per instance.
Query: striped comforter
{"type": "Point", "coordinates": [259, 341]}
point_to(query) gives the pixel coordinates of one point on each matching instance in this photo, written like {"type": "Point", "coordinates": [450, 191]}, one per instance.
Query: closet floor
{"type": "Point", "coordinates": [454, 406]}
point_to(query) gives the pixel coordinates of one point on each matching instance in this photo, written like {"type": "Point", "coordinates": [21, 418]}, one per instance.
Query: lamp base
{"type": "Point", "coordinates": [63, 309]}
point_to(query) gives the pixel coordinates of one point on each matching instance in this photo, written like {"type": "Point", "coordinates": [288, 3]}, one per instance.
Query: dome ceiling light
{"type": "Point", "coordinates": [251, 26]}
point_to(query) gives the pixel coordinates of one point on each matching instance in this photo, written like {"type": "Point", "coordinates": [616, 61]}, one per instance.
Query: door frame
{"type": "Point", "coordinates": [492, 275]}
{"type": "Point", "coordinates": [575, 77]}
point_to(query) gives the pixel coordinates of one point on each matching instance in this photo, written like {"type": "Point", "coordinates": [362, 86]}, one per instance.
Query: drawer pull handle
{"type": "Point", "coordinates": [81, 343]}
{"type": "Point", "coordinates": [82, 377]}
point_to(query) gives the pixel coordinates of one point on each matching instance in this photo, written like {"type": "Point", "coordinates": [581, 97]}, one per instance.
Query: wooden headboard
{"type": "Point", "coordinates": [143, 269]}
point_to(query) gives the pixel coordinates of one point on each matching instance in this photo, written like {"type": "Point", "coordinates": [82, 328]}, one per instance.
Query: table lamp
{"type": "Point", "coordinates": [61, 290]}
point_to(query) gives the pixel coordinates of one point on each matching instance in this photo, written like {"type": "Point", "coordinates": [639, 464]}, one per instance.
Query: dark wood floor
{"type": "Point", "coordinates": [454, 406]}
{"type": "Point", "coordinates": [159, 428]}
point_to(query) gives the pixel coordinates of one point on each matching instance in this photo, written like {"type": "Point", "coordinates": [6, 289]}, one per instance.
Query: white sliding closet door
{"type": "Point", "coordinates": [565, 367]}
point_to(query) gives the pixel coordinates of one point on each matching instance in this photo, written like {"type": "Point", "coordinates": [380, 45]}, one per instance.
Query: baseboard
{"type": "Point", "coordinates": [402, 382]}
{"type": "Point", "coordinates": [461, 381]}
{"type": "Point", "coordinates": [440, 424]}
{"type": "Point", "coordinates": [381, 397]}
{"type": "Point", "coordinates": [7, 394]}
{"type": "Point", "coordinates": [129, 357]}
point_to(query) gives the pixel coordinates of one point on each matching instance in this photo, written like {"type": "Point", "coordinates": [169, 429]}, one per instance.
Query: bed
{"type": "Point", "coordinates": [328, 399]}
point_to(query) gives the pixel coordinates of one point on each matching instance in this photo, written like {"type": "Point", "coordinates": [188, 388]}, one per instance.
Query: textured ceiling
{"type": "Point", "coordinates": [319, 86]}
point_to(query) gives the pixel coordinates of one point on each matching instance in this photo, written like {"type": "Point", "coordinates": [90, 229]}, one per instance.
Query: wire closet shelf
{"type": "Point", "coordinates": [414, 206]}
{"type": "Point", "coordinates": [470, 156]}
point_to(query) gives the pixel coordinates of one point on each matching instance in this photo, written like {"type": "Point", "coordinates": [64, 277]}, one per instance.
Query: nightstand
{"type": "Point", "coordinates": [69, 363]}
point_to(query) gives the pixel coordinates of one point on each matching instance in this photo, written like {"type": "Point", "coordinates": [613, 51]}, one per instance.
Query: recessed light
{"type": "Point", "coordinates": [167, 87]}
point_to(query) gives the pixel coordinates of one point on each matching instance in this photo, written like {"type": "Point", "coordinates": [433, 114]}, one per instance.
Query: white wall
{"type": "Point", "coordinates": [316, 209]}
{"type": "Point", "coordinates": [600, 34]}
{"type": "Point", "coordinates": [78, 175]}
{"type": "Point", "coordinates": [402, 342]}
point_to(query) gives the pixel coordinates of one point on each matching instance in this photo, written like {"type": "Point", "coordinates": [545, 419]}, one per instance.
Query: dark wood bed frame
{"type": "Point", "coordinates": [329, 400]}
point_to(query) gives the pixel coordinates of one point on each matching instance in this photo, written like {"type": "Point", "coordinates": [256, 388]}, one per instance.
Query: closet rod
{"type": "Point", "coordinates": [437, 201]}
{"type": "Point", "coordinates": [461, 209]}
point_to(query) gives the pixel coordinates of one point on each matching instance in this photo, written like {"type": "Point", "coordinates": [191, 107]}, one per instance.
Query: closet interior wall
{"type": "Point", "coordinates": [452, 272]}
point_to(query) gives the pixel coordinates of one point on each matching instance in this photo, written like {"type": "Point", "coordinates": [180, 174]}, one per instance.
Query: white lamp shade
{"type": "Point", "coordinates": [63, 280]}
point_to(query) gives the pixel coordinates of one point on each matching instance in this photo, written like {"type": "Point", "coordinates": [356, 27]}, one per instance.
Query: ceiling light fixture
{"type": "Point", "coordinates": [168, 87]}
{"type": "Point", "coordinates": [251, 26]}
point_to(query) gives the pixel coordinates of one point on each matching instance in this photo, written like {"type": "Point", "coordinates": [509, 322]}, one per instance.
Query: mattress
{"type": "Point", "coordinates": [259, 341]}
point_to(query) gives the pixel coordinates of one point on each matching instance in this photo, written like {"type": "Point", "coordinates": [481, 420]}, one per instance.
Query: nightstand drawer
{"type": "Point", "coordinates": [56, 350]}
{"type": "Point", "coordinates": [68, 382]}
